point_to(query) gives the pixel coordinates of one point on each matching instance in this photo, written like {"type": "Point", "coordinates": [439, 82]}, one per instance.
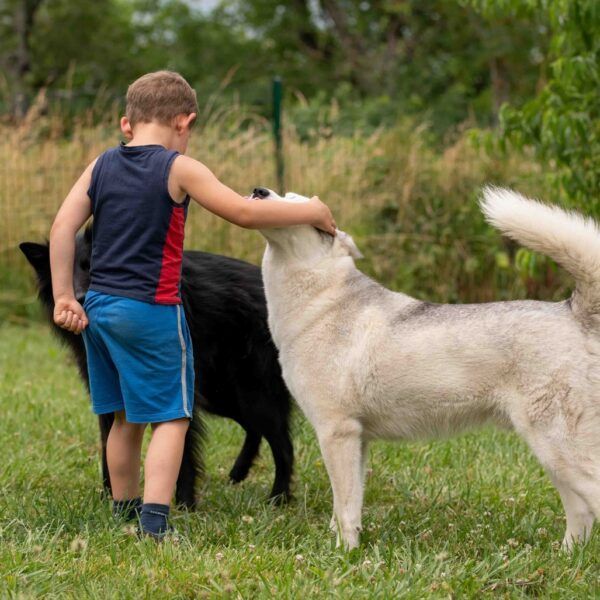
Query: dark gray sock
{"type": "Point", "coordinates": [154, 519]}
{"type": "Point", "coordinates": [128, 510]}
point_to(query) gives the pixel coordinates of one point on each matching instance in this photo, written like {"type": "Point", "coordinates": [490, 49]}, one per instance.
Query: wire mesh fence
{"type": "Point", "coordinates": [410, 205]}
{"type": "Point", "coordinates": [37, 173]}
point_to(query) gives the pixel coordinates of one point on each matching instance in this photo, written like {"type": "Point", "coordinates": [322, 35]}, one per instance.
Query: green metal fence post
{"type": "Point", "coordinates": [279, 164]}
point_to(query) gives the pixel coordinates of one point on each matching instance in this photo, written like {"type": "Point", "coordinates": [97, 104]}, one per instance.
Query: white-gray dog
{"type": "Point", "coordinates": [364, 362]}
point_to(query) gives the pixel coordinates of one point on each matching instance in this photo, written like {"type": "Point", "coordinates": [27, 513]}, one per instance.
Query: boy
{"type": "Point", "coordinates": [138, 345]}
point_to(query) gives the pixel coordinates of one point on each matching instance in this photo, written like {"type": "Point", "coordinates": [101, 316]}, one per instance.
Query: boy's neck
{"type": "Point", "coordinates": [146, 134]}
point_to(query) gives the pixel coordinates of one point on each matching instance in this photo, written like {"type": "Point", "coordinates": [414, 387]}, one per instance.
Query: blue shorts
{"type": "Point", "coordinates": [139, 357]}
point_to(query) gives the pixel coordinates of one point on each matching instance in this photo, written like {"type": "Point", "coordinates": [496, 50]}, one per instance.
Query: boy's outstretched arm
{"type": "Point", "coordinates": [193, 178]}
{"type": "Point", "coordinates": [74, 212]}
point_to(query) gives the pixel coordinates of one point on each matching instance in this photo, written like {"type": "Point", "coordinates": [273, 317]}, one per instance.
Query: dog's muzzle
{"type": "Point", "coordinates": [260, 192]}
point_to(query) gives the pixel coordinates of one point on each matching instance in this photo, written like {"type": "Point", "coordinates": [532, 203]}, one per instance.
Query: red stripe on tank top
{"type": "Point", "coordinates": [167, 291]}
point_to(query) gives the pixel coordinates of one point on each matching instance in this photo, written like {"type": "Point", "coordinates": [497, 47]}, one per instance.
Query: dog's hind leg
{"type": "Point", "coordinates": [280, 443]}
{"type": "Point", "coordinates": [580, 517]}
{"type": "Point", "coordinates": [246, 457]}
{"type": "Point", "coordinates": [576, 476]}
{"type": "Point", "coordinates": [342, 448]}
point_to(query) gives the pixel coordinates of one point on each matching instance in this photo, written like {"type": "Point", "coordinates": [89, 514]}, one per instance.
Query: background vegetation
{"type": "Point", "coordinates": [396, 112]}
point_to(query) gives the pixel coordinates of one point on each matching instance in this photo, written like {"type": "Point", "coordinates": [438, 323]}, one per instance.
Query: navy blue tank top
{"type": "Point", "coordinates": [138, 230]}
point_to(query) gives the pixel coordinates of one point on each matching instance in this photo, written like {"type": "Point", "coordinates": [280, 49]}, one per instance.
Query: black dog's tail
{"type": "Point", "coordinates": [192, 465]}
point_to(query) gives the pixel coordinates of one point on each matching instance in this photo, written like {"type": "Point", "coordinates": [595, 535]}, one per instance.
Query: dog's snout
{"type": "Point", "coordinates": [260, 192]}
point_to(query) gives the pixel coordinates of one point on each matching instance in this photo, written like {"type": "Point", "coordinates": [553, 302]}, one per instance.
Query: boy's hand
{"type": "Point", "coordinates": [69, 315]}
{"type": "Point", "coordinates": [323, 217]}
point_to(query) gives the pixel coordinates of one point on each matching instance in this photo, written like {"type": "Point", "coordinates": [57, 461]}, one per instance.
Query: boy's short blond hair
{"type": "Point", "coordinates": [159, 96]}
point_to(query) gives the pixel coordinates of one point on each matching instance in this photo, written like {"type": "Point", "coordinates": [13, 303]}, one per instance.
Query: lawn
{"type": "Point", "coordinates": [467, 517]}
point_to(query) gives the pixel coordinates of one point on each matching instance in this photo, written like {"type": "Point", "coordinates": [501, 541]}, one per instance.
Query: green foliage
{"type": "Point", "coordinates": [209, 52]}
{"type": "Point", "coordinates": [344, 114]}
{"type": "Point", "coordinates": [434, 58]}
{"type": "Point", "coordinates": [83, 46]}
{"type": "Point", "coordinates": [562, 123]}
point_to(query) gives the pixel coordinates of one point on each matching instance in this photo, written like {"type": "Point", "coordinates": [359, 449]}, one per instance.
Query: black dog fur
{"type": "Point", "coordinates": [237, 372]}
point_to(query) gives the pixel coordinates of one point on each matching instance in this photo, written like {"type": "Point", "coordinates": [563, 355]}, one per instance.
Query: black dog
{"type": "Point", "coordinates": [237, 372]}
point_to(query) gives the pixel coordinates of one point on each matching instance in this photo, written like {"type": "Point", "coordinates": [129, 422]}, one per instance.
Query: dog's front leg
{"type": "Point", "coordinates": [364, 448]}
{"type": "Point", "coordinates": [342, 449]}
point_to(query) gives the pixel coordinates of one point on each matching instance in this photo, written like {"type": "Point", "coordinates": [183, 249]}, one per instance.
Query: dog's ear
{"type": "Point", "coordinates": [348, 244]}
{"type": "Point", "coordinates": [38, 255]}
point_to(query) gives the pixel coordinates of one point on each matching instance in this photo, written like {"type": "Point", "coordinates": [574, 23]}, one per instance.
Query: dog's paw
{"type": "Point", "coordinates": [333, 524]}
{"type": "Point", "coordinates": [238, 473]}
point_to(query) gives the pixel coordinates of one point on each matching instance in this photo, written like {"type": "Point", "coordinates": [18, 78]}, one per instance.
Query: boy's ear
{"type": "Point", "coordinates": [126, 128]}
{"type": "Point", "coordinates": [183, 122]}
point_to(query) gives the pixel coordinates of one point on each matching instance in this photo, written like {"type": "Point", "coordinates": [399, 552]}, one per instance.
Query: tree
{"type": "Point", "coordinates": [562, 122]}
{"type": "Point", "coordinates": [15, 52]}
{"type": "Point", "coordinates": [437, 58]}
{"type": "Point", "coordinates": [379, 59]}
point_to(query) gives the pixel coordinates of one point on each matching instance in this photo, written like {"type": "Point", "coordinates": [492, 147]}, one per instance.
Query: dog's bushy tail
{"type": "Point", "coordinates": [570, 239]}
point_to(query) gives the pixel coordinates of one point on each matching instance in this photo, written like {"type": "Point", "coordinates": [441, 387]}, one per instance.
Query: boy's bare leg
{"type": "Point", "coordinates": [123, 455]}
{"type": "Point", "coordinates": [163, 460]}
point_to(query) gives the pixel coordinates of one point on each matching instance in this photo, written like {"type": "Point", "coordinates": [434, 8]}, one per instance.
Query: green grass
{"type": "Point", "coordinates": [469, 517]}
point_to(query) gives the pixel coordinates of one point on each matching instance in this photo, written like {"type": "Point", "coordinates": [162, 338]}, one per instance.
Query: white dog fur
{"type": "Point", "coordinates": [364, 362]}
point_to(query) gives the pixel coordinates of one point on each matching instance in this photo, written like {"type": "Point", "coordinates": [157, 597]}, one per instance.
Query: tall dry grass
{"type": "Point", "coordinates": [37, 170]}
{"type": "Point", "coordinates": [409, 203]}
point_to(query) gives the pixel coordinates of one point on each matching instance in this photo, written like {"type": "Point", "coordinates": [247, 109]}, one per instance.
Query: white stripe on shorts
{"type": "Point", "coordinates": [183, 363]}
